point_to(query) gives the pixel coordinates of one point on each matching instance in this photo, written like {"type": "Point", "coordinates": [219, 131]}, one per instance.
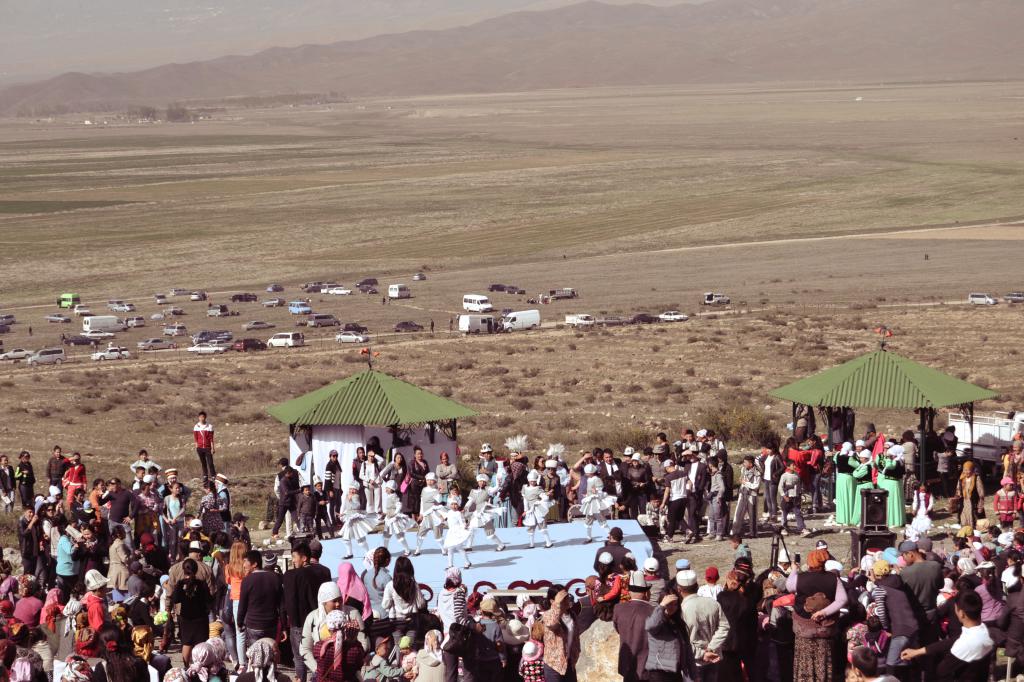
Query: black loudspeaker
{"type": "Point", "coordinates": [873, 511]}
{"type": "Point", "coordinates": [863, 540]}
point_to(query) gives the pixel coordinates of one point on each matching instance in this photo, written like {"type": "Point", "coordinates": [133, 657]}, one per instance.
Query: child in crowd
{"type": "Point", "coordinates": [740, 549]}
{"type": "Point", "coordinates": [305, 509]}
{"type": "Point", "coordinates": [531, 665]}
{"type": "Point", "coordinates": [1007, 503]}
{"type": "Point", "coordinates": [922, 507]}
{"type": "Point", "coordinates": [716, 500]}
{"type": "Point", "coordinates": [710, 588]}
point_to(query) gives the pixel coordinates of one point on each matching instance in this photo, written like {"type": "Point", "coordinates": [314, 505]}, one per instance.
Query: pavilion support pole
{"type": "Point", "coordinates": [927, 415]}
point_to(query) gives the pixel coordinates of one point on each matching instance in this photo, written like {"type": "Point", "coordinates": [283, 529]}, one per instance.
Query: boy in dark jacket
{"type": "Point", "coordinates": [305, 509]}
{"type": "Point", "coordinates": [26, 478]}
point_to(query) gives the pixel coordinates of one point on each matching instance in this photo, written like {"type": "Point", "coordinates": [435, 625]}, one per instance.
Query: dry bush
{"type": "Point", "coordinates": [621, 438]}
{"type": "Point", "coordinates": [739, 423]}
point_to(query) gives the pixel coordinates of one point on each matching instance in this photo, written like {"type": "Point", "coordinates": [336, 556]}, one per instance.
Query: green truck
{"type": "Point", "coordinates": [68, 300]}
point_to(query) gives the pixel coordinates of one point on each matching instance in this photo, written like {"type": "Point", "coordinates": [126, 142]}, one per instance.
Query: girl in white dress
{"type": "Point", "coordinates": [483, 513]}
{"type": "Point", "coordinates": [536, 506]}
{"type": "Point", "coordinates": [432, 514]}
{"type": "Point", "coordinates": [395, 522]}
{"type": "Point", "coordinates": [458, 533]}
{"type": "Point", "coordinates": [922, 521]}
{"type": "Point", "coordinates": [594, 505]}
{"type": "Point", "coordinates": [355, 527]}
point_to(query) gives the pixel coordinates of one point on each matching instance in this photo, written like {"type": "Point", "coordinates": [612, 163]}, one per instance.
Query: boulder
{"type": "Point", "coordinates": [599, 654]}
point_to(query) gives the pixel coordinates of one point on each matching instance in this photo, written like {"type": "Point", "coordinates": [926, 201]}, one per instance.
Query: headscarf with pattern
{"type": "Point", "coordinates": [261, 660]}
{"type": "Point", "coordinates": [51, 609]}
{"type": "Point", "coordinates": [205, 661]}
{"type": "Point", "coordinates": [335, 623]}
{"type": "Point", "coordinates": [76, 669]}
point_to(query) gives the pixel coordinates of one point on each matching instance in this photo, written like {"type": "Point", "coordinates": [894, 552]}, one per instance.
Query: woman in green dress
{"type": "Point", "coordinates": [861, 479]}
{"type": "Point", "coordinates": [890, 478]}
{"type": "Point", "coordinates": [845, 463]}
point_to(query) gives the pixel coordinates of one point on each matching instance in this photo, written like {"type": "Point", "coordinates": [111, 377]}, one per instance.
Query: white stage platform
{"type": "Point", "coordinates": [568, 560]}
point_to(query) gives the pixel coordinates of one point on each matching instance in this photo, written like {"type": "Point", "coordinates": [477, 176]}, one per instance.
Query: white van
{"type": "Point", "coordinates": [477, 324]}
{"type": "Point", "coordinates": [286, 340]}
{"type": "Point", "coordinates": [980, 299]}
{"type": "Point", "coordinates": [581, 320]}
{"type": "Point", "coordinates": [476, 303]}
{"type": "Point", "coordinates": [135, 322]}
{"type": "Point", "coordinates": [102, 323]}
{"type": "Point", "coordinates": [521, 319]}
{"type": "Point", "coordinates": [399, 291]}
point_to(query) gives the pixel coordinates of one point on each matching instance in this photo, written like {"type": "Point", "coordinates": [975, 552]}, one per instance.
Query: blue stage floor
{"type": "Point", "coordinates": [569, 559]}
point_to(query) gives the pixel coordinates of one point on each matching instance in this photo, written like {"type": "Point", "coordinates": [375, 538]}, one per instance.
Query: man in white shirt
{"type": "Point", "coordinates": [966, 657]}
{"type": "Point", "coordinates": [771, 467]}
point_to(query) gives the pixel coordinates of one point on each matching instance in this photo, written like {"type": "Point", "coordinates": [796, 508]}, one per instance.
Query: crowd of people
{"type": "Point", "coordinates": [116, 576]}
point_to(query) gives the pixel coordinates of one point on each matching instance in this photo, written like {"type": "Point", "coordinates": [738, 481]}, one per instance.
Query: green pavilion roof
{"type": "Point", "coordinates": [882, 380]}
{"type": "Point", "coordinates": [370, 398]}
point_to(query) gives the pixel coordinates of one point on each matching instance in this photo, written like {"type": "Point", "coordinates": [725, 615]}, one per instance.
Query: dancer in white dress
{"type": "Point", "coordinates": [354, 527]}
{"type": "Point", "coordinates": [922, 521]}
{"type": "Point", "coordinates": [432, 514]}
{"type": "Point", "coordinates": [459, 532]}
{"type": "Point", "coordinates": [395, 522]}
{"type": "Point", "coordinates": [369, 474]}
{"type": "Point", "coordinates": [483, 513]}
{"type": "Point", "coordinates": [594, 505]}
{"type": "Point", "coordinates": [536, 506]}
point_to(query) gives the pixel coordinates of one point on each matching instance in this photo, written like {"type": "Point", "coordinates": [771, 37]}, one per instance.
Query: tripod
{"type": "Point", "coordinates": [777, 541]}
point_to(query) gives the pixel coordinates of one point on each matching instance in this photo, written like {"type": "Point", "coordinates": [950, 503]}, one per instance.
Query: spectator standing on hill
{"type": "Point", "coordinates": [26, 478]}
{"type": "Point", "coordinates": [202, 432]}
{"type": "Point", "coordinates": [7, 485]}
{"type": "Point", "coordinates": [56, 466]}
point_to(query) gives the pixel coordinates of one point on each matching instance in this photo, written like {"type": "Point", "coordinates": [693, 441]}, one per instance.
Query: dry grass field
{"type": "Point", "coordinates": [821, 215]}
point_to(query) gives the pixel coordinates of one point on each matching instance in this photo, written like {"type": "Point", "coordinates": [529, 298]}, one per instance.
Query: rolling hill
{"type": "Point", "coordinates": [596, 44]}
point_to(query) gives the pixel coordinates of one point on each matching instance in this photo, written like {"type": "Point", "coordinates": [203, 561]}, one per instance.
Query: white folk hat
{"type": "Point", "coordinates": [94, 580]}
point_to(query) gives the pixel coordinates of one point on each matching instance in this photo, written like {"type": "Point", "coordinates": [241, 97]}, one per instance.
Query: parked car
{"type": "Point", "coordinates": [257, 324]}
{"type": "Point", "coordinates": [197, 296]}
{"type": "Point", "coordinates": [299, 308]}
{"type": "Point", "coordinates": [97, 335]}
{"type": "Point", "coordinates": [111, 353]}
{"type": "Point", "coordinates": [419, 277]}
{"type": "Point", "coordinates": [179, 292]}
{"type": "Point", "coordinates": [368, 281]}
{"type": "Point", "coordinates": [981, 299]}
{"type": "Point", "coordinates": [350, 337]}
{"type": "Point", "coordinates": [160, 299]}
{"type": "Point", "coordinates": [354, 327]}
{"type": "Point", "coordinates": [155, 344]}
{"type": "Point", "coordinates": [673, 316]}
{"type": "Point", "coordinates": [175, 330]}
{"type": "Point", "coordinates": [114, 303]}
{"type": "Point", "coordinates": [208, 335]}
{"type": "Point", "coordinates": [339, 291]}
{"type": "Point", "coordinates": [156, 317]}
{"type": "Point", "coordinates": [312, 287]}
{"type": "Point", "coordinates": [408, 326]}
{"type": "Point", "coordinates": [207, 348]}
{"type": "Point", "coordinates": [63, 319]}
{"type": "Point", "coordinates": [219, 311]}
{"type": "Point", "coordinates": [274, 288]}
{"type": "Point", "coordinates": [81, 310]}
{"type": "Point", "coordinates": [643, 318]}
{"type": "Point", "coordinates": [514, 290]}
{"type": "Point", "coordinates": [327, 285]}
{"type": "Point", "coordinates": [323, 320]}
{"type": "Point", "coordinates": [244, 298]}
{"type": "Point", "coordinates": [286, 340]}
{"type": "Point", "coordinates": [273, 303]}
{"type": "Point", "coordinates": [711, 298]}
{"type": "Point", "coordinates": [5, 328]}
{"type": "Point", "coordinates": [496, 287]}
{"type": "Point", "coordinates": [123, 308]}
{"type": "Point", "coordinates": [244, 345]}
{"type": "Point", "coordinates": [79, 340]}
{"type": "Point", "coordinates": [612, 321]}
{"type": "Point", "coordinates": [563, 293]}
{"type": "Point", "coordinates": [368, 289]}
{"type": "Point", "coordinates": [135, 322]}
{"type": "Point", "coordinates": [1014, 297]}
{"type": "Point", "coordinates": [47, 356]}
{"type": "Point", "coordinates": [173, 311]}
{"type": "Point", "coordinates": [15, 354]}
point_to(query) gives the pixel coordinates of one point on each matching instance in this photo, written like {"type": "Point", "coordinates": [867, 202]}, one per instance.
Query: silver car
{"type": "Point", "coordinates": [47, 356]}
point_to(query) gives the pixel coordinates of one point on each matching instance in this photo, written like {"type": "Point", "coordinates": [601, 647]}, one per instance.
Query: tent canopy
{"type": "Point", "coordinates": [370, 398]}
{"type": "Point", "coordinates": [882, 380]}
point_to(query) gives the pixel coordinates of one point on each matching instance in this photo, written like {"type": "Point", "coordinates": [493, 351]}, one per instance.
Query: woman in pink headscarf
{"type": "Point", "coordinates": [353, 591]}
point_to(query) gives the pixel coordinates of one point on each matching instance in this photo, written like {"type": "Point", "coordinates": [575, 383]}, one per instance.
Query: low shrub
{"type": "Point", "coordinates": [739, 423]}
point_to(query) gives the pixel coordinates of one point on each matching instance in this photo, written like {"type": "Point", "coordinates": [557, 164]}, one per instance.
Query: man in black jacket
{"type": "Point", "coordinates": [287, 489]}
{"type": "Point", "coordinates": [259, 606]}
{"type": "Point", "coordinates": [301, 583]}
{"type": "Point", "coordinates": [697, 472]}
{"type": "Point", "coordinates": [613, 545]}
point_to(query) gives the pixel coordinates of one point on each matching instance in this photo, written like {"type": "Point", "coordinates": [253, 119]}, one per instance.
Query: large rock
{"type": "Point", "coordinates": [599, 654]}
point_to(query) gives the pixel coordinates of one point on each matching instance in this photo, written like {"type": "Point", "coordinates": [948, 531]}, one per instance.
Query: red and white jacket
{"type": "Point", "coordinates": [203, 434]}
{"type": "Point", "coordinates": [73, 479]}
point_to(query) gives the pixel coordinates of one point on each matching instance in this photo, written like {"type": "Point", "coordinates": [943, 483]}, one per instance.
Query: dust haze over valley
{"type": "Point", "coordinates": [832, 166]}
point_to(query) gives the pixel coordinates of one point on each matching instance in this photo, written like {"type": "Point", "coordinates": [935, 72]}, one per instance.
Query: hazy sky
{"type": "Point", "coordinates": [44, 37]}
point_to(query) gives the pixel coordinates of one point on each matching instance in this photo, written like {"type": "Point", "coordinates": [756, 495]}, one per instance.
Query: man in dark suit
{"type": "Point", "coordinates": [629, 618]}
{"type": "Point", "coordinates": [610, 471]}
{"type": "Point", "coordinates": [613, 545]}
{"type": "Point", "coordinates": [697, 471]}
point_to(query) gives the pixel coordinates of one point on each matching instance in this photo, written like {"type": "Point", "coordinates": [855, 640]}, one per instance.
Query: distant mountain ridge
{"type": "Point", "coordinates": [595, 44]}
